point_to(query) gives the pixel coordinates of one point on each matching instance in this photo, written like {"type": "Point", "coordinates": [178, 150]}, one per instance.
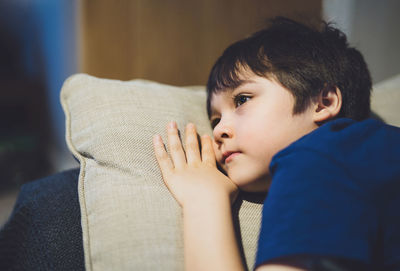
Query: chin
{"type": "Point", "coordinates": [257, 186]}
{"type": "Point", "coordinates": [254, 183]}
{"type": "Point", "coordinates": [254, 188]}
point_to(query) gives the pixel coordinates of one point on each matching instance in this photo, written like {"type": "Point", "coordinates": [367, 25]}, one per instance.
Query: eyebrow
{"type": "Point", "coordinates": [240, 85]}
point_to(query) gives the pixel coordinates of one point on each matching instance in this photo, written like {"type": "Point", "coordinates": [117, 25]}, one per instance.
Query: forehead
{"type": "Point", "coordinates": [226, 95]}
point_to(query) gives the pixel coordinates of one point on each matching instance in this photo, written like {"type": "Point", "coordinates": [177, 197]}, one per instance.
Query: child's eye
{"type": "Point", "coordinates": [240, 99]}
{"type": "Point", "coordinates": [214, 122]}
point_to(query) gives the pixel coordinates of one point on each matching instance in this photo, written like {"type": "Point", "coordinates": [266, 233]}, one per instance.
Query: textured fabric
{"type": "Point", "coordinates": [44, 229]}
{"type": "Point", "coordinates": [130, 221]}
{"type": "Point", "coordinates": [386, 99]}
{"type": "Point", "coordinates": [336, 192]}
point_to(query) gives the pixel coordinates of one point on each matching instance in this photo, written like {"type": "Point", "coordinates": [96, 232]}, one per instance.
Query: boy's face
{"type": "Point", "coordinates": [252, 123]}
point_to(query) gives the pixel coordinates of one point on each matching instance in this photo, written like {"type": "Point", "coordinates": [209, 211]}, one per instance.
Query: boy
{"type": "Point", "coordinates": [289, 108]}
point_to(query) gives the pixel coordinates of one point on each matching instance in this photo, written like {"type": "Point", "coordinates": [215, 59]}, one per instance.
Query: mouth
{"type": "Point", "coordinates": [228, 156]}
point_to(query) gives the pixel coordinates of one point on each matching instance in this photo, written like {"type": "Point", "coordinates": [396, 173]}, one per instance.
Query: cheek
{"type": "Point", "coordinates": [257, 144]}
{"type": "Point", "coordinates": [215, 147]}
{"type": "Point", "coordinates": [217, 152]}
{"type": "Point", "coordinates": [254, 133]}
{"type": "Point", "coordinates": [261, 140]}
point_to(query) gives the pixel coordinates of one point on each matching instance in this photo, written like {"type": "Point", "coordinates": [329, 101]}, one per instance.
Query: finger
{"type": "Point", "coordinates": [162, 157]}
{"type": "Point", "coordinates": [207, 151]}
{"type": "Point", "coordinates": [192, 145]}
{"type": "Point", "coordinates": [175, 146]}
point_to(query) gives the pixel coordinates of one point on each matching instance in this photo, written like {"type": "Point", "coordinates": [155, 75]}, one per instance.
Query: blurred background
{"type": "Point", "coordinates": [42, 42]}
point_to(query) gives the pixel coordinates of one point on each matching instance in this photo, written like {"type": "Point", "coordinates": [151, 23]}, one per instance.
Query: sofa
{"type": "Point", "coordinates": [114, 212]}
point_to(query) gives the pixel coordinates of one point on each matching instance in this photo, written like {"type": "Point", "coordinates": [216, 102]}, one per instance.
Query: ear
{"type": "Point", "coordinates": [327, 104]}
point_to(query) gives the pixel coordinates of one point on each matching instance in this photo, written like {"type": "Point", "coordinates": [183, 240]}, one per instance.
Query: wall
{"type": "Point", "coordinates": [172, 41]}
{"type": "Point", "coordinates": [373, 27]}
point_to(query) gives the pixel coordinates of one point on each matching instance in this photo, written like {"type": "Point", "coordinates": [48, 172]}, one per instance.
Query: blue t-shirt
{"type": "Point", "coordinates": [336, 192]}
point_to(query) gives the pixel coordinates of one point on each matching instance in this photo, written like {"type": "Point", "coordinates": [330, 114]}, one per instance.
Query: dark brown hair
{"type": "Point", "coordinates": [304, 59]}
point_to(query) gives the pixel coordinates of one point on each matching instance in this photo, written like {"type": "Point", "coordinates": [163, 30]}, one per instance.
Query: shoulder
{"type": "Point", "coordinates": [366, 152]}
{"type": "Point", "coordinates": [344, 134]}
{"type": "Point", "coordinates": [340, 133]}
{"type": "Point", "coordinates": [315, 180]}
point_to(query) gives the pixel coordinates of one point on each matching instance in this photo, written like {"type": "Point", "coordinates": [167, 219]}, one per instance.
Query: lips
{"type": "Point", "coordinates": [228, 156]}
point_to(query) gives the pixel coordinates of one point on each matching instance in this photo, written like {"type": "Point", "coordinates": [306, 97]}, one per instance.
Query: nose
{"type": "Point", "coordinates": [222, 131]}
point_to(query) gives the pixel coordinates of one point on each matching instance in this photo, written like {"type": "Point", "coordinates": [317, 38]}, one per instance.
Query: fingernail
{"type": "Point", "coordinates": [190, 125]}
{"type": "Point", "coordinates": [172, 125]}
{"type": "Point", "coordinates": [157, 139]}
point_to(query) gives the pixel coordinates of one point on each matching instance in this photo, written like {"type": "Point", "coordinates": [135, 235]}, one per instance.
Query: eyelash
{"type": "Point", "coordinates": [236, 99]}
{"type": "Point", "coordinates": [214, 122]}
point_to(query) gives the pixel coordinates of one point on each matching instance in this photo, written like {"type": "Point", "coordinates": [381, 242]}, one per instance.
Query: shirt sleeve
{"type": "Point", "coordinates": [315, 207]}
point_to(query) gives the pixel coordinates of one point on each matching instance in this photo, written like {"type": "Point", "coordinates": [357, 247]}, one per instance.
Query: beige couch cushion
{"type": "Point", "coordinates": [130, 221]}
{"type": "Point", "coordinates": [385, 100]}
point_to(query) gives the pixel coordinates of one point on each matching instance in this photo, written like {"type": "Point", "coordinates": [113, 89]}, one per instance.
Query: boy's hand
{"type": "Point", "coordinates": [192, 177]}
